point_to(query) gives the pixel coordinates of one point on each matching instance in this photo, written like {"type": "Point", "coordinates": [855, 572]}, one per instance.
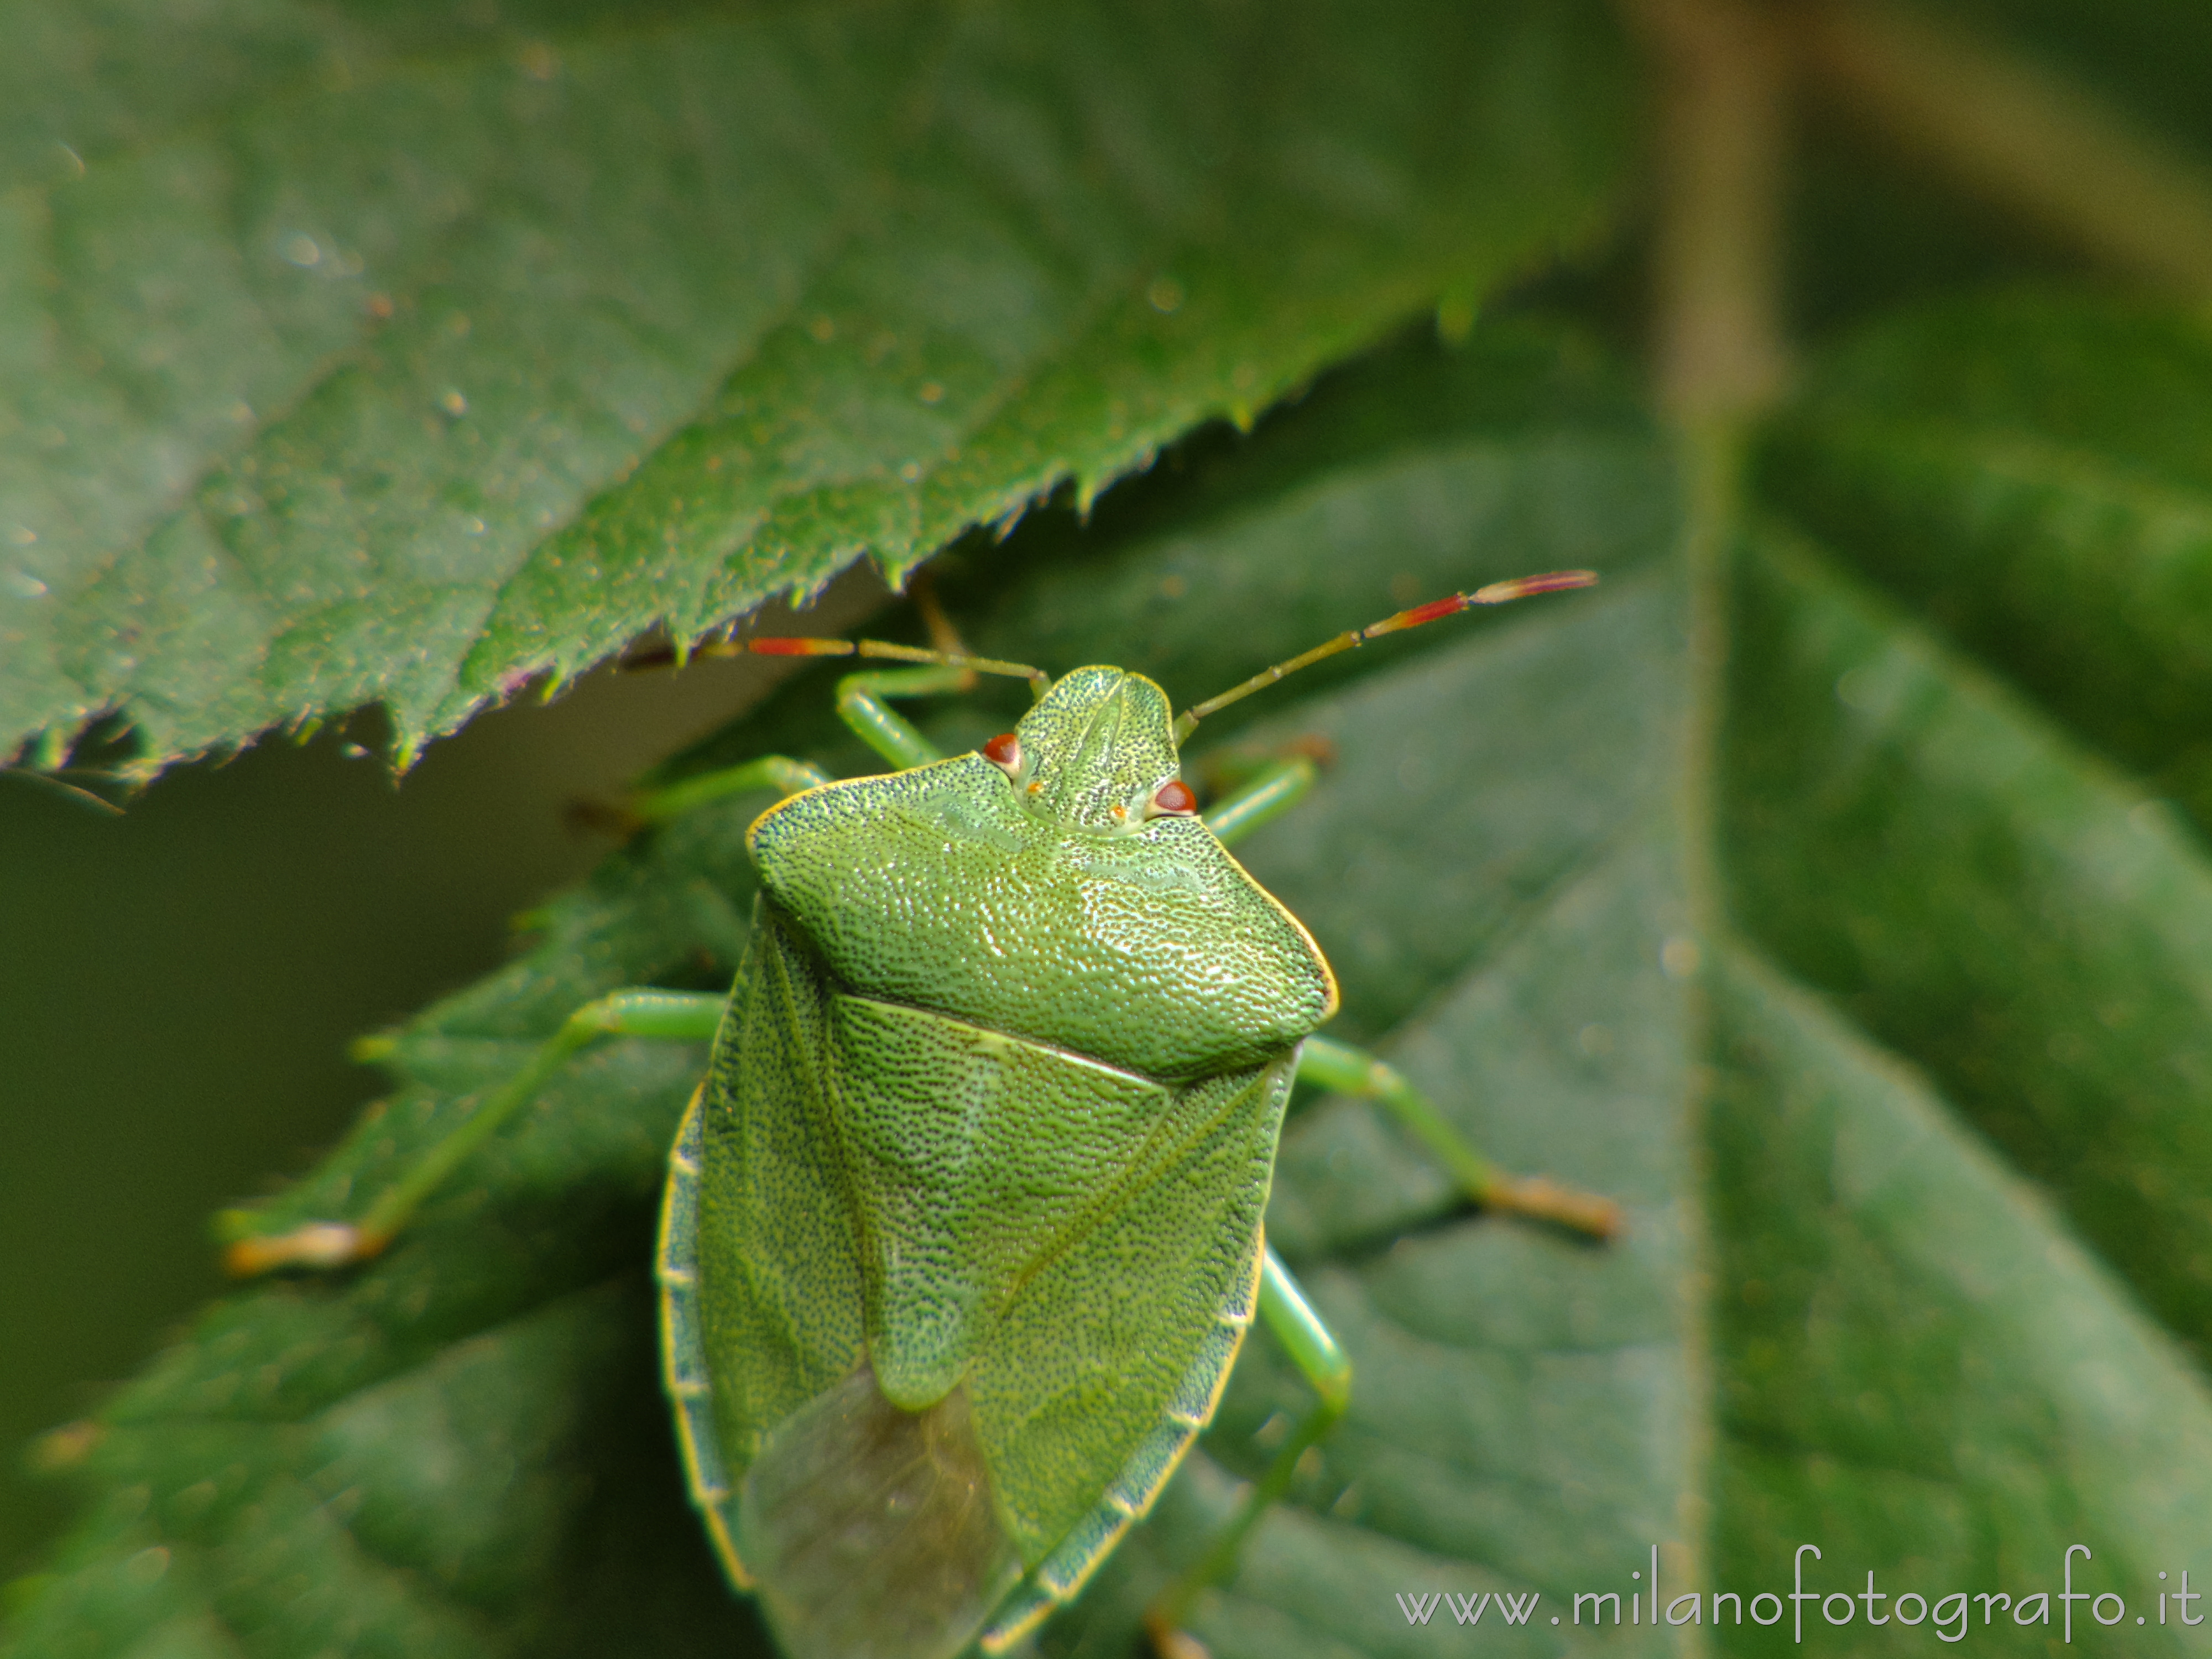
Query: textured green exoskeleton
{"type": "Point", "coordinates": [963, 1229]}
{"type": "Point", "coordinates": [970, 1205]}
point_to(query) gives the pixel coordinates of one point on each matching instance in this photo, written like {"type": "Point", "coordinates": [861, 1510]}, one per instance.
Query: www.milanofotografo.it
{"type": "Point", "coordinates": [1949, 1616]}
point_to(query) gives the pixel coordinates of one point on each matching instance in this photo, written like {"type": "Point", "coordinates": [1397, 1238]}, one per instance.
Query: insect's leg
{"type": "Point", "coordinates": [1350, 1071]}
{"type": "Point", "coordinates": [863, 704]}
{"type": "Point", "coordinates": [1277, 788]}
{"type": "Point", "coordinates": [1321, 1357]}
{"type": "Point", "coordinates": [675, 1015]}
{"type": "Point", "coordinates": [949, 666]}
{"type": "Point", "coordinates": [778, 772]}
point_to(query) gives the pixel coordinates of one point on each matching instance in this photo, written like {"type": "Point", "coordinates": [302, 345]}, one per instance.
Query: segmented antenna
{"type": "Point", "coordinates": [881, 650]}
{"type": "Point", "coordinates": [1520, 587]}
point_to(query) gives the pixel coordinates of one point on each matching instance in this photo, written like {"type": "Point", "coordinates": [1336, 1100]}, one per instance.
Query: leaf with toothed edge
{"type": "Point", "coordinates": [465, 360]}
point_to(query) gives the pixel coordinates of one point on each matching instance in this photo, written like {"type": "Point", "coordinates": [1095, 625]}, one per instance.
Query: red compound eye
{"type": "Point", "coordinates": [1005, 752]}
{"type": "Point", "coordinates": [1175, 799]}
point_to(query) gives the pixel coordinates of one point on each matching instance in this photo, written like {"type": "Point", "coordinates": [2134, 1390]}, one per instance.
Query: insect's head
{"type": "Point", "coordinates": [1102, 748]}
{"type": "Point", "coordinates": [1098, 752]}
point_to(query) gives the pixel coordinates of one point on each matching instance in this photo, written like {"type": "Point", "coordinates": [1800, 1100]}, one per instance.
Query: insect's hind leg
{"type": "Point", "coordinates": [1350, 1071]}
{"type": "Point", "coordinates": [1313, 1348]}
{"type": "Point", "coordinates": [670, 1016]}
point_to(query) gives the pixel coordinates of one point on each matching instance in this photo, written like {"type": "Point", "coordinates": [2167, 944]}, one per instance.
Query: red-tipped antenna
{"type": "Point", "coordinates": [780, 646]}
{"type": "Point", "coordinates": [1520, 587]}
{"type": "Point", "coordinates": [946, 652]}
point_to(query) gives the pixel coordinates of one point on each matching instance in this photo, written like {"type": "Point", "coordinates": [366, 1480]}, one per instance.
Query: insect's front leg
{"type": "Point", "coordinates": [863, 703]}
{"type": "Point", "coordinates": [1261, 800]}
{"type": "Point", "coordinates": [669, 1016]}
{"type": "Point", "coordinates": [780, 773]}
{"type": "Point", "coordinates": [1305, 1336]}
{"type": "Point", "coordinates": [864, 699]}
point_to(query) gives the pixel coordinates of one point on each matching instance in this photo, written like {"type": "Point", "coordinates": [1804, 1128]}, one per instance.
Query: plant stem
{"type": "Point", "coordinates": [2020, 134]}
{"type": "Point", "coordinates": [1721, 136]}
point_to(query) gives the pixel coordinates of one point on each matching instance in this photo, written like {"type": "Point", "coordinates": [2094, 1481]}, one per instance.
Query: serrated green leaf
{"type": "Point", "coordinates": [408, 359]}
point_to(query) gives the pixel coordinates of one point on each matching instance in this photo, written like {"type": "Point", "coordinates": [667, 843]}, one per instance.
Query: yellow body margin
{"type": "Point", "coordinates": [682, 1364]}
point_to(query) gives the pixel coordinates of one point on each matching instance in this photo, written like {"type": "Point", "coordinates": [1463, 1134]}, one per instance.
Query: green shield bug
{"type": "Point", "coordinates": [962, 1230]}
